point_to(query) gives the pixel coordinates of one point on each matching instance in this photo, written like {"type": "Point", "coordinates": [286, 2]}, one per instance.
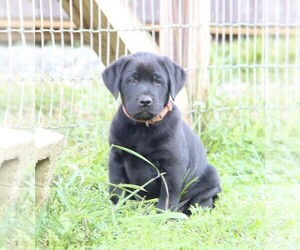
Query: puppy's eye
{"type": "Point", "coordinates": [132, 80]}
{"type": "Point", "coordinates": [157, 81]}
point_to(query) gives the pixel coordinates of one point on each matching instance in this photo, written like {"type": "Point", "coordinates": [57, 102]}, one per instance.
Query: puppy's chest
{"type": "Point", "coordinates": [143, 143]}
{"type": "Point", "coordinates": [138, 170]}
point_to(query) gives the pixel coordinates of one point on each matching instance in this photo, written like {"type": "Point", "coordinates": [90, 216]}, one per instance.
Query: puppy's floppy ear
{"type": "Point", "coordinates": [112, 75]}
{"type": "Point", "coordinates": [177, 76]}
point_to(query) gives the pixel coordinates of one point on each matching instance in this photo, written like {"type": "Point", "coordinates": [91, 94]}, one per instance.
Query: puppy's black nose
{"type": "Point", "coordinates": [145, 100]}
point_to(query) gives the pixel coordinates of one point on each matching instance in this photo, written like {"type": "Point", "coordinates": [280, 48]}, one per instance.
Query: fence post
{"type": "Point", "coordinates": [199, 46]}
{"type": "Point", "coordinates": [169, 41]}
{"type": "Point", "coordinates": [188, 42]}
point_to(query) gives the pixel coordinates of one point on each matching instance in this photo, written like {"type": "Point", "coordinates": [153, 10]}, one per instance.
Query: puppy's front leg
{"type": "Point", "coordinates": [170, 191]}
{"type": "Point", "coordinates": [117, 175]}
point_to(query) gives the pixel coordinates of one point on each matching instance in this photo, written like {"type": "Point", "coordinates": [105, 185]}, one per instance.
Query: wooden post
{"type": "Point", "coordinates": [169, 43]}
{"type": "Point", "coordinates": [191, 46]}
{"type": "Point", "coordinates": [117, 38]}
{"type": "Point", "coordinates": [199, 42]}
{"type": "Point", "coordinates": [121, 40]}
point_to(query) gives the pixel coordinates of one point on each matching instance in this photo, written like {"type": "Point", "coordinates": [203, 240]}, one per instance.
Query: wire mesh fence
{"type": "Point", "coordinates": [242, 59]}
{"type": "Point", "coordinates": [240, 56]}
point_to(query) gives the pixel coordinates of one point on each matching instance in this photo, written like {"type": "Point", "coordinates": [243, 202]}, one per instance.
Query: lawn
{"type": "Point", "coordinates": [257, 208]}
{"type": "Point", "coordinates": [253, 145]}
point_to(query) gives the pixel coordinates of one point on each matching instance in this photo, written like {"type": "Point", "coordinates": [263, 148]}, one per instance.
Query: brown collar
{"type": "Point", "coordinates": [155, 119]}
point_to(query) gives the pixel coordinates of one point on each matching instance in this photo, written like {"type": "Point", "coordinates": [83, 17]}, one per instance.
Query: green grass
{"type": "Point", "coordinates": [249, 214]}
{"type": "Point", "coordinates": [254, 150]}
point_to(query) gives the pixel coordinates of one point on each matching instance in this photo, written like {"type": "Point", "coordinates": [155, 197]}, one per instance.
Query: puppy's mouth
{"type": "Point", "coordinates": [144, 115]}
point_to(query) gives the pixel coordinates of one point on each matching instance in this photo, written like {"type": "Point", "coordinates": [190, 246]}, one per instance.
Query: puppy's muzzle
{"type": "Point", "coordinates": [145, 100]}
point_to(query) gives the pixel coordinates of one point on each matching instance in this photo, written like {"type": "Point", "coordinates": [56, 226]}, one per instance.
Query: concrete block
{"type": "Point", "coordinates": [23, 155]}
{"type": "Point", "coordinates": [16, 158]}
{"type": "Point", "coordinates": [48, 146]}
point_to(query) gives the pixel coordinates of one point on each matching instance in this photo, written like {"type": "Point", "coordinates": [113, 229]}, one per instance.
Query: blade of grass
{"type": "Point", "coordinates": [151, 164]}
{"type": "Point", "coordinates": [137, 190]}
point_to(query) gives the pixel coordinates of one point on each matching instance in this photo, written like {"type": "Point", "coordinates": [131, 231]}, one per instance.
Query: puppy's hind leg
{"type": "Point", "coordinates": [205, 200]}
{"type": "Point", "coordinates": [206, 191]}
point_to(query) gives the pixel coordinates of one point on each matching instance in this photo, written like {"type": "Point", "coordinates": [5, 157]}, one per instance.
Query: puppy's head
{"type": "Point", "coordinates": [145, 81]}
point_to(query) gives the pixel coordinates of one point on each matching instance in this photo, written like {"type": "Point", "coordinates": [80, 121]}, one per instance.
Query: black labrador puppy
{"type": "Point", "coordinates": [150, 124]}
